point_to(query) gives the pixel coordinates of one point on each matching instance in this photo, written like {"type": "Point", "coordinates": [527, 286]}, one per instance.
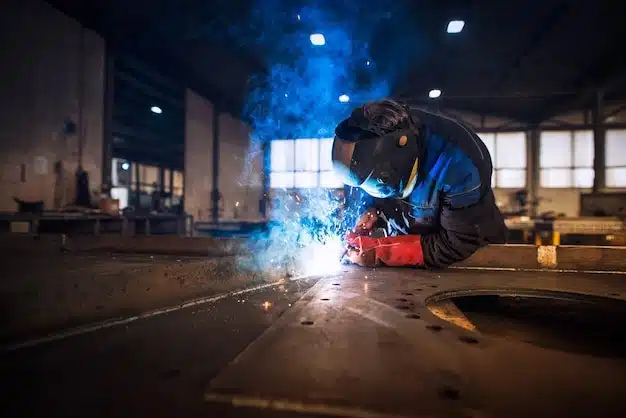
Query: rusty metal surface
{"type": "Point", "coordinates": [364, 344]}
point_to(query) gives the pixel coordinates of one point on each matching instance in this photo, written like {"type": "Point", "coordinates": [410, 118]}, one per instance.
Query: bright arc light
{"type": "Point", "coordinates": [455, 26]}
{"type": "Point", "coordinates": [156, 109]}
{"type": "Point", "coordinates": [344, 98]}
{"type": "Point", "coordinates": [433, 94]}
{"type": "Point", "coordinates": [317, 39]}
{"type": "Point", "coordinates": [321, 259]}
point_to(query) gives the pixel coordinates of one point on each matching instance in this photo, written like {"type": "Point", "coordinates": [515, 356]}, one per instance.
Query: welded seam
{"type": "Point", "coordinates": [85, 329]}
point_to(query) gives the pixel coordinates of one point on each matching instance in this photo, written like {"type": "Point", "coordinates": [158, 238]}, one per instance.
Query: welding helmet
{"type": "Point", "coordinates": [382, 162]}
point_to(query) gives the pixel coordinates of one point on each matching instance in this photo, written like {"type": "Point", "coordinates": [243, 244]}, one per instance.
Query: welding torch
{"type": "Point", "coordinates": [374, 233]}
{"type": "Point", "coordinates": [361, 229]}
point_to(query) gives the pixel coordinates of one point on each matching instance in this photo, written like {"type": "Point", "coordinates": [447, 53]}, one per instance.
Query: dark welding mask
{"type": "Point", "coordinates": [381, 162]}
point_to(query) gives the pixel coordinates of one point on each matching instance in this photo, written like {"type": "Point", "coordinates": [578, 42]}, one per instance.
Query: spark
{"type": "Point", "coordinates": [304, 237]}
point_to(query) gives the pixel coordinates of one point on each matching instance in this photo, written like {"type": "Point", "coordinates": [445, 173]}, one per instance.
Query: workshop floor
{"type": "Point", "coordinates": [363, 343]}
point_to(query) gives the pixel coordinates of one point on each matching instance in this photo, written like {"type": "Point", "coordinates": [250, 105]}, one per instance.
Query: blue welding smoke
{"type": "Point", "coordinates": [298, 97]}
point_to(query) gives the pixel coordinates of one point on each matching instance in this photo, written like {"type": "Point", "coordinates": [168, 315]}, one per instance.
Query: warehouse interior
{"type": "Point", "coordinates": [110, 88]}
{"type": "Point", "coordinates": [162, 164]}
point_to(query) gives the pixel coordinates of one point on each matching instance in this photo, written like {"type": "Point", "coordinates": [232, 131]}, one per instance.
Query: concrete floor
{"type": "Point", "coordinates": [362, 344]}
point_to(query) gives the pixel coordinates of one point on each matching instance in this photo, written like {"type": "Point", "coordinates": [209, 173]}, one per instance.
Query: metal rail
{"type": "Point", "coordinates": [95, 224]}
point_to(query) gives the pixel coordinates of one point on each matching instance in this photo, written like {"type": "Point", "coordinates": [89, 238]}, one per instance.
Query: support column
{"type": "Point", "coordinates": [107, 122]}
{"type": "Point", "coordinates": [533, 169]}
{"type": "Point", "coordinates": [599, 143]}
{"type": "Point", "coordinates": [265, 177]}
{"type": "Point", "coordinates": [137, 186]}
{"type": "Point", "coordinates": [215, 192]}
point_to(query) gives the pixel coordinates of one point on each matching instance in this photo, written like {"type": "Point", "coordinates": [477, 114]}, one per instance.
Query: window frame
{"type": "Point", "coordinates": [318, 172]}
{"type": "Point", "coordinates": [496, 173]}
{"type": "Point", "coordinates": [612, 167]}
{"type": "Point", "coordinates": [572, 168]}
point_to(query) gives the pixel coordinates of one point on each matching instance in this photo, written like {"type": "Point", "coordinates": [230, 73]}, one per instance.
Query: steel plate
{"type": "Point", "coordinates": [365, 344]}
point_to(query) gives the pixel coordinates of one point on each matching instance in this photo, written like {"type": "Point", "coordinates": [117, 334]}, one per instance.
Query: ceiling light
{"type": "Point", "coordinates": [344, 98]}
{"type": "Point", "coordinates": [156, 109]}
{"type": "Point", "coordinates": [434, 93]}
{"type": "Point", "coordinates": [317, 39]}
{"type": "Point", "coordinates": [455, 26]}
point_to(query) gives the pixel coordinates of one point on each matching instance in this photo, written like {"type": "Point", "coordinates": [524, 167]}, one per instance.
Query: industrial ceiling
{"type": "Point", "coordinates": [522, 60]}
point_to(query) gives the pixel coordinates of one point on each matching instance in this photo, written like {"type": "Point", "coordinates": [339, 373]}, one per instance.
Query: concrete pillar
{"type": "Point", "coordinates": [215, 189]}
{"type": "Point", "coordinates": [55, 81]}
{"type": "Point", "coordinates": [240, 171]}
{"type": "Point", "coordinates": [265, 175]}
{"type": "Point", "coordinates": [599, 141]}
{"type": "Point", "coordinates": [199, 162]}
{"type": "Point", "coordinates": [107, 122]}
{"type": "Point", "coordinates": [533, 170]}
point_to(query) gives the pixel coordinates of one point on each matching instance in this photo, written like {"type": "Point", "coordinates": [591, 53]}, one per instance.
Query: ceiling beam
{"type": "Point", "coordinates": [148, 90]}
{"type": "Point", "coordinates": [606, 75]}
{"type": "Point", "coordinates": [148, 72]}
{"type": "Point", "coordinates": [458, 105]}
{"type": "Point", "coordinates": [130, 134]}
{"type": "Point", "coordinates": [585, 99]}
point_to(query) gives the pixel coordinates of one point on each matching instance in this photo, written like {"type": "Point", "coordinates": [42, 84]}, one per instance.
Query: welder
{"type": "Point", "coordinates": [426, 179]}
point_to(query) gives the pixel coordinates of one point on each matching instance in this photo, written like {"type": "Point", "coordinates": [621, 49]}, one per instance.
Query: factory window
{"type": "Point", "coordinates": [302, 164]}
{"type": "Point", "coordinates": [178, 186]}
{"type": "Point", "coordinates": [566, 159]}
{"type": "Point", "coordinates": [616, 158]}
{"type": "Point", "coordinates": [167, 184]}
{"type": "Point", "coordinates": [508, 156]}
{"type": "Point", "coordinates": [148, 177]}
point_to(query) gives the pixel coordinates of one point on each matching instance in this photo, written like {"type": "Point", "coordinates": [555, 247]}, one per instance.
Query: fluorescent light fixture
{"type": "Point", "coordinates": [156, 109]}
{"type": "Point", "coordinates": [317, 39]}
{"type": "Point", "coordinates": [344, 98]}
{"type": "Point", "coordinates": [434, 93]}
{"type": "Point", "coordinates": [455, 26]}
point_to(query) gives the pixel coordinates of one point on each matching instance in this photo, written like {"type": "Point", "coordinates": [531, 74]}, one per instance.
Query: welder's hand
{"type": "Point", "coordinates": [366, 221]}
{"type": "Point", "coordinates": [404, 250]}
{"type": "Point", "coordinates": [362, 258]}
{"type": "Point", "coordinates": [361, 249]}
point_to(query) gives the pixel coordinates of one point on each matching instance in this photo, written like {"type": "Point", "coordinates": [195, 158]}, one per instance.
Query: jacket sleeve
{"type": "Point", "coordinates": [467, 223]}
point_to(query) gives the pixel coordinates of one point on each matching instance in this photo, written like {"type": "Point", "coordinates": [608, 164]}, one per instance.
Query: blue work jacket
{"type": "Point", "coordinates": [452, 205]}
